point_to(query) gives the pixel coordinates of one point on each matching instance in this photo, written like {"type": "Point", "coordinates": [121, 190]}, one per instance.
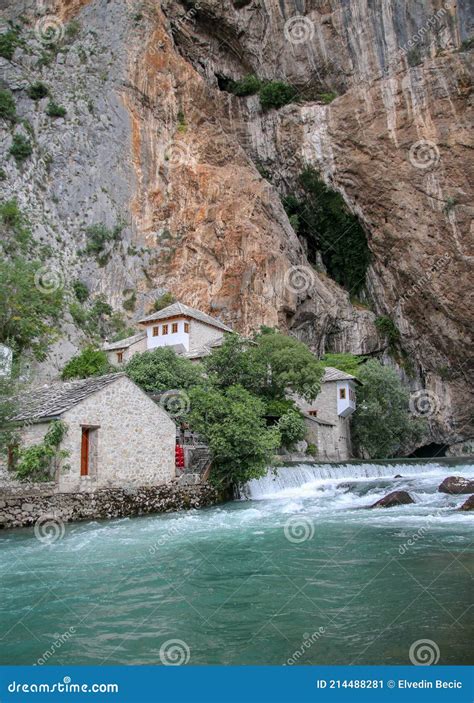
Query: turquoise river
{"type": "Point", "coordinates": [297, 572]}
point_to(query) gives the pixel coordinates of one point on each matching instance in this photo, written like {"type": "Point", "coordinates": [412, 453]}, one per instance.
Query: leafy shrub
{"type": "Point", "coordinates": [81, 291]}
{"type": "Point", "coordinates": [327, 98]}
{"type": "Point", "coordinates": [55, 110]}
{"type": "Point", "coordinates": [72, 29]}
{"type": "Point", "coordinates": [3, 174]}
{"type": "Point", "coordinates": [130, 303]}
{"type": "Point", "coordinates": [89, 362]}
{"type": "Point", "coordinates": [99, 236]}
{"type": "Point", "coordinates": [312, 450]}
{"type": "Point", "coordinates": [388, 329]}
{"type": "Point", "coordinates": [344, 362]}
{"type": "Point", "coordinates": [10, 213]}
{"type": "Point", "coordinates": [37, 91]}
{"type": "Point", "coordinates": [8, 42]}
{"type": "Point", "coordinates": [292, 428]}
{"type": "Point", "coordinates": [182, 126]}
{"type": "Point", "coordinates": [16, 236]}
{"type": "Point", "coordinates": [467, 44]}
{"type": "Point", "coordinates": [275, 94]}
{"type": "Point", "coordinates": [21, 148]}
{"type": "Point", "coordinates": [414, 57]}
{"type": "Point", "coordinates": [163, 301]}
{"type": "Point", "coordinates": [37, 463]}
{"type": "Point", "coordinates": [249, 85]}
{"type": "Point", "coordinates": [7, 105]}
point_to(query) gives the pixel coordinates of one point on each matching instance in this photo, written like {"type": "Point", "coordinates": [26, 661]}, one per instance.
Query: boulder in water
{"type": "Point", "coordinates": [456, 485]}
{"type": "Point", "coordinates": [469, 504]}
{"type": "Point", "coordinates": [392, 499]}
{"type": "Point", "coordinates": [398, 476]}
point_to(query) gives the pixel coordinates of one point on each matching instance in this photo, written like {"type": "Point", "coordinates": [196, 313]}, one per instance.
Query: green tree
{"type": "Point", "coordinates": [382, 426]}
{"type": "Point", "coordinates": [89, 362]}
{"type": "Point", "coordinates": [268, 365]}
{"type": "Point", "coordinates": [29, 314]}
{"type": "Point", "coordinates": [292, 428]}
{"type": "Point", "coordinates": [344, 362]}
{"type": "Point", "coordinates": [7, 105]}
{"type": "Point", "coordinates": [233, 424]}
{"type": "Point", "coordinates": [162, 370]}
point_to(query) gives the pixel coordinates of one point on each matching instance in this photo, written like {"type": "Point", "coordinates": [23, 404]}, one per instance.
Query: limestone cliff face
{"type": "Point", "coordinates": [152, 140]}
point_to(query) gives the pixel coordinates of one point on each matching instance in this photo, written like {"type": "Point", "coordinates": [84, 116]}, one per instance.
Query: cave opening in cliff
{"type": "Point", "coordinates": [321, 218]}
{"type": "Point", "coordinates": [429, 451]}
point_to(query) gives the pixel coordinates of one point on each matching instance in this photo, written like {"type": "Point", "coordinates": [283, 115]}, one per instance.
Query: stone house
{"type": "Point", "coordinates": [190, 332]}
{"type": "Point", "coordinates": [116, 435]}
{"type": "Point", "coordinates": [328, 417]}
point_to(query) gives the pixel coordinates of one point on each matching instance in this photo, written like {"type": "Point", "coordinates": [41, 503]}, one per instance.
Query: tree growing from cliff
{"type": "Point", "coordinates": [382, 425]}
{"type": "Point", "coordinates": [161, 370]}
{"type": "Point", "coordinates": [268, 365]}
{"type": "Point", "coordinates": [232, 421]}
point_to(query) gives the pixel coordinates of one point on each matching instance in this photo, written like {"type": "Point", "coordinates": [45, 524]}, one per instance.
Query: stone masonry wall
{"type": "Point", "coordinates": [201, 334]}
{"type": "Point", "coordinates": [133, 445]}
{"type": "Point", "coordinates": [59, 508]}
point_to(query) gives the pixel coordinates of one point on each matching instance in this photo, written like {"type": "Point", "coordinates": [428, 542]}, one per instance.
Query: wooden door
{"type": "Point", "coordinates": [85, 452]}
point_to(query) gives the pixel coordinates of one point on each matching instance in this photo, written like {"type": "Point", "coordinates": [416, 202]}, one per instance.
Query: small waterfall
{"type": "Point", "coordinates": [285, 477]}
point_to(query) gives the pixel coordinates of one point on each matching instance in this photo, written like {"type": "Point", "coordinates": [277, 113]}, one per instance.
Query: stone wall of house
{"type": "Point", "coordinates": [135, 348]}
{"type": "Point", "coordinates": [334, 443]}
{"type": "Point", "coordinates": [49, 511]}
{"type": "Point", "coordinates": [133, 445]}
{"type": "Point", "coordinates": [201, 334]}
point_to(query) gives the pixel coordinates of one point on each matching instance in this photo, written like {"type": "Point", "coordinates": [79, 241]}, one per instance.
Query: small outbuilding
{"type": "Point", "coordinates": [115, 435]}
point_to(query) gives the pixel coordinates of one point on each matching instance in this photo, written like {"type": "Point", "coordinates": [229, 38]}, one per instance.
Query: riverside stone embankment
{"type": "Point", "coordinates": [29, 507]}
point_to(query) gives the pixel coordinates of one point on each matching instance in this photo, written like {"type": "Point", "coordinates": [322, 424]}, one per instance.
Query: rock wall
{"type": "Point", "coordinates": [150, 140]}
{"type": "Point", "coordinates": [49, 511]}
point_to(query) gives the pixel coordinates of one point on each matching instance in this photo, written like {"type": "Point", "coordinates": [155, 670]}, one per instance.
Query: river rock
{"type": "Point", "coordinates": [469, 504]}
{"type": "Point", "coordinates": [398, 476]}
{"type": "Point", "coordinates": [392, 499]}
{"type": "Point", "coordinates": [456, 485]}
